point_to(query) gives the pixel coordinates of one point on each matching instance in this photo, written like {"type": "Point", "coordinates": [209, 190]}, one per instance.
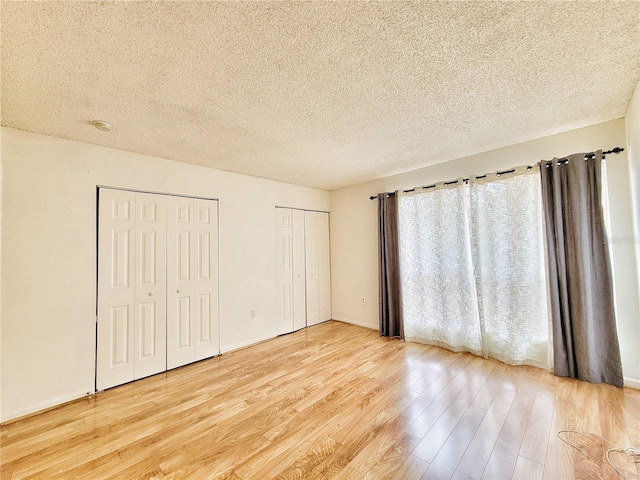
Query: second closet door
{"type": "Point", "coordinates": [290, 262]}
{"type": "Point", "coordinates": [299, 272]}
{"type": "Point", "coordinates": [324, 268]}
{"type": "Point", "coordinates": [303, 270]}
{"type": "Point", "coordinates": [318, 285]}
{"type": "Point", "coordinates": [311, 257]}
{"type": "Point", "coordinates": [192, 272]}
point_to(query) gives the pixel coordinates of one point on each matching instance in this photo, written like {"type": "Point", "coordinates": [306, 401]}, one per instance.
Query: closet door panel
{"type": "Point", "coordinates": [311, 258]}
{"type": "Point", "coordinates": [205, 281]}
{"type": "Point", "coordinates": [180, 287]}
{"type": "Point", "coordinates": [299, 271]}
{"type": "Point", "coordinates": [150, 286]}
{"type": "Point", "coordinates": [157, 284]}
{"type": "Point", "coordinates": [284, 271]}
{"type": "Point", "coordinates": [116, 291]}
{"type": "Point", "coordinates": [324, 269]}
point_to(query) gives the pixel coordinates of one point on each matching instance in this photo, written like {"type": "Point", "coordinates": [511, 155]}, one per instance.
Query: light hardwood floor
{"type": "Point", "coordinates": [331, 401]}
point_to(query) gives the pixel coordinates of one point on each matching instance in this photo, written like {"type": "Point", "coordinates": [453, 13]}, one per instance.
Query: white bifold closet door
{"type": "Point", "coordinates": [290, 261]}
{"type": "Point", "coordinates": [192, 281]}
{"type": "Point", "coordinates": [157, 284]}
{"type": "Point", "coordinates": [312, 264]}
{"type": "Point", "coordinates": [324, 267]}
{"type": "Point", "coordinates": [303, 270]}
{"type": "Point", "coordinates": [131, 287]}
{"type": "Point", "coordinates": [318, 285]}
{"type": "Point", "coordinates": [299, 272]}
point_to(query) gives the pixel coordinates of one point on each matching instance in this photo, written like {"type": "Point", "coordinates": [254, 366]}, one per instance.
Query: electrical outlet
{"type": "Point", "coordinates": [363, 300]}
{"type": "Point", "coordinates": [252, 314]}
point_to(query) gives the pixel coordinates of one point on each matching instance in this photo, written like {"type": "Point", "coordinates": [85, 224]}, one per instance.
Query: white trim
{"type": "Point", "coordinates": [632, 383]}
{"type": "Point", "coordinates": [218, 280]}
{"type": "Point", "coordinates": [355, 322]}
{"type": "Point", "coordinates": [302, 209]}
{"type": "Point", "coordinates": [156, 193]}
{"type": "Point", "coordinates": [44, 406]}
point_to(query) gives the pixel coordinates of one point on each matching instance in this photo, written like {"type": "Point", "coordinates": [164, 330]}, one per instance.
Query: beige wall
{"type": "Point", "coordinates": [48, 283]}
{"type": "Point", "coordinates": [1, 185]}
{"type": "Point", "coordinates": [354, 254]}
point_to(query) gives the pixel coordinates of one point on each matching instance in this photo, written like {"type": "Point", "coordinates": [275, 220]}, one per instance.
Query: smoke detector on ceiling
{"type": "Point", "coordinates": [102, 125]}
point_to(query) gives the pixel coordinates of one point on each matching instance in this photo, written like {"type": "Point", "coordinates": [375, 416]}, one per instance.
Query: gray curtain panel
{"type": "Point", "coordinates": [390, 297]}
{"type": "Point", "coordinates": [585, 340]}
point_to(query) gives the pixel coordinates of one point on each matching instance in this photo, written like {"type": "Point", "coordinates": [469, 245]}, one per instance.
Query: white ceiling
{"type": "Point", "coordinates": [322, 94]}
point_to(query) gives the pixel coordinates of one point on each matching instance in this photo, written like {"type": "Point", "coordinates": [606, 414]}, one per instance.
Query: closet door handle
{"type": "Point", "coordinates": [177, 291]}
{"type": "Point", "coordinates": [151, 294]}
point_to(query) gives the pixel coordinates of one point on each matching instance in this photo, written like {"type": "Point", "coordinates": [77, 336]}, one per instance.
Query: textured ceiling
{"type": "Point", "coordinates": [322, 94]}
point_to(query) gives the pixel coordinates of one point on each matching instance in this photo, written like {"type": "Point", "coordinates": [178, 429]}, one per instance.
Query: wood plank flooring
{"type": "Point", "coordinates": [334, 401]}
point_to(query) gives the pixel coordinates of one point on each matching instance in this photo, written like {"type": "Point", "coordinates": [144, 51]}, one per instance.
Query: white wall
{"type": "Point", "coordinates": [48, 277]}
{"type": "Point", "coordinates": [632, 123]}
{"type": "Point", "coordinates": [354, 244]}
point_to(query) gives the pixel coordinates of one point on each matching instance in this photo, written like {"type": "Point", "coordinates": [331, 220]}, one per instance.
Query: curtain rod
{"type": "Point", "coordinates": [615, 150]}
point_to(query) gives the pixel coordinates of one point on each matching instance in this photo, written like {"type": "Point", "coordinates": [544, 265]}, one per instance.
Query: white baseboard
{"type": "Point", "coordinates": [238, 346]}
{"type": "Point", "coordinates": [355, 322]}
{"type": "Point", "coordinates": [43, 406]}
{"type": "Point", "coordinates": [632, 383]}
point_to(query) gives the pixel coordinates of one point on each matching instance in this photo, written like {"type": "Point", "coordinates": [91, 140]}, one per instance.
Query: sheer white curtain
{"type": "Point", "coordinates": [509, 264]}
{"type": "Point", "coordinates": [472, 268]}
{"type": "Point", "coordinates": [438, 289]}
{"type": "Point", "coordinates": [438, 292]}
